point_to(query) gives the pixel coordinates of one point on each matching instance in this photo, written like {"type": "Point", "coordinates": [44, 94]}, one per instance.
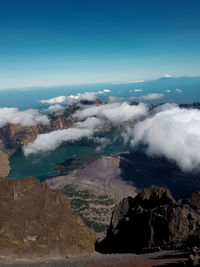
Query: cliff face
{"type": "Point", "coordinates": [153, 219]}
{"type": "Point", "coordinates": [39, 221]}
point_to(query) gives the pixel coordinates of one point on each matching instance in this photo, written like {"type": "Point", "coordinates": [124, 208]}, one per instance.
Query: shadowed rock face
{"type": "Point", "coordinates": [37, 220]}
{"type": "Point", "coordinates": [152, 219]}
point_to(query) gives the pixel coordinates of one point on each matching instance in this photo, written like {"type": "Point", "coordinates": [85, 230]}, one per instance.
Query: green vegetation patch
{"type": "Point", "coordinates": [94, 210]}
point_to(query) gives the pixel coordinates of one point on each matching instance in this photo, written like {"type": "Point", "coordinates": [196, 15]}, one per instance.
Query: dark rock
{"type": "Point", "coordinates": [91, 102]}
{"type": "Point", "coordinates": [194, 200]}
{"type": "Point", "coordinates": [134, 103]}
{"type": "Point", "coordinates": [195, 105]}
{"type": "Point", "coordinates": [152, 219]}
{"type": "Point", "coordinates": [193, 259]}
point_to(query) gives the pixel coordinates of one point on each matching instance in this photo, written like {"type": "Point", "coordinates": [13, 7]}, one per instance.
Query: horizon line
{"type": "Point", "coordinates": [93, 83]}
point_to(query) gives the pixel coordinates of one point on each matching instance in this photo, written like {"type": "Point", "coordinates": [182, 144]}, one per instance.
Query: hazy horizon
{"type": "Point", "coordinates": [137, 81]}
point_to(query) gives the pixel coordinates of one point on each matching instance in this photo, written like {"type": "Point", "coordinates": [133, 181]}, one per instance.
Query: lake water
{"type": "Point", "coordinates": [42, 165]}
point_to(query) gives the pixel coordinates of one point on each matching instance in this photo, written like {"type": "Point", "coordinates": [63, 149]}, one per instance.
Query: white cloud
{"type": "Point", "coordinates": [50, 141]}
{"type": "Point", "coordinates": [152, 96]}
{"type": "Point", "coordinates": [55, 100]}
{"type": "Point", "coordinates": [106, 91]}
{"type": "Point", "coordinates": [58, 109]}
{"type": "Point", "coordinates": [167, 91]}
{"type": "Point", "coordinates": [167, 76]}
{"type": "Point", "coordinates": [138, 90]}
{"type": "Point", "coordinates": [179, 91]}
{"type": "Point", "coordinates": [88, 96]}
{"type": "Point", "coordinates": [73, 98]}
{"type": "Point", "coordinates": [173, 133]}
{"type": "Point", "coordinates": [115, 112]}
{"type": "Point", "coordinates": [91, 123]}
{"type": "Point", "coordinates": [27, 117]}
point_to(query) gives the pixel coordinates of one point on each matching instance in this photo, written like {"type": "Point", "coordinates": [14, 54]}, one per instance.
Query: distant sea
{"type": "Point", "coordinates": [42, 165]}
{"type": "Point", "coordinates": [25, 98]}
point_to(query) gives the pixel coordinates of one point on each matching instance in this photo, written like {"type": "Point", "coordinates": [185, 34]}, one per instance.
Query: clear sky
{"type": "Point", "coordinates": [56, 42]}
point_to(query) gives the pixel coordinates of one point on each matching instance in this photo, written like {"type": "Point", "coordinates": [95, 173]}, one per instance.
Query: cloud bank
{"type": "Point", "coordinates": [50, 141]}
{"type": "Point", "coordinates": [173, 133]}
{"type": "Point", "coordinates": [88, 96]}
{"type": "Point", "coordinates": [114, 112]}
{"type": "Point", "coordinates": [93, 120]}
{"type": "Point", "coordinates": [29, 117]}
{"type": "Point", "coordinates": [73, 98]}
{"type": "Point", "coordinates": [55, 100]}
{"type": "Point", "coordinates": [57, 109]}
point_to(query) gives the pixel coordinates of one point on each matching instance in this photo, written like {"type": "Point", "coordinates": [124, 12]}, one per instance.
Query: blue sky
{"type": "Point", "coordinates": [56, 42]}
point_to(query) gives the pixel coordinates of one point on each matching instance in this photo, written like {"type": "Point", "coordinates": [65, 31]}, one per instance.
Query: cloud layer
{"type": "Point", "coordinates": [92, 121]}
{"type": "Point", "coordinates": [50, 141]}
{"type": "Point", "coordinates": [56, 108]}
{"type": "Point", "coordinates": [28, 117]}
{"type": "Point", "coordinates": [73, 98]}
{"type": "Point", "coordinates": [115, 112]}
{"type": "Point", "coordinates": [173, 133]}
{"type": "Point", "coordinates": [55, 100]}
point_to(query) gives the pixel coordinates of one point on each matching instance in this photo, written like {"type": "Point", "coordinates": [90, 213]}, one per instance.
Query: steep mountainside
{"type": "Point", "coordinates": [36, 220]}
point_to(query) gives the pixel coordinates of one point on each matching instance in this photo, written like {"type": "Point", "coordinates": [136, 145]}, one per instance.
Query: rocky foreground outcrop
{"type": "Point", "coordinates": [38, 221]}
{"type": "Point", "coordinates": [153, 219]}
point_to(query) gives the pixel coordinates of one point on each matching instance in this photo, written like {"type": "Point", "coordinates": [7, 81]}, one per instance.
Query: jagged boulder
{"type": "Point", "coordinates": [150, 220]}
{"type": "Point", "coordinates": [39, 221]}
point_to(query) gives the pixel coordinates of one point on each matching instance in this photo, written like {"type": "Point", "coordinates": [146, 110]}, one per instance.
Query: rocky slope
{"type": "Point", "coordinates": [153, 219]}
{"type": "Point", "coordinates": [93, 185]}
{"type": "Point", "coordinates": [38, 221]}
